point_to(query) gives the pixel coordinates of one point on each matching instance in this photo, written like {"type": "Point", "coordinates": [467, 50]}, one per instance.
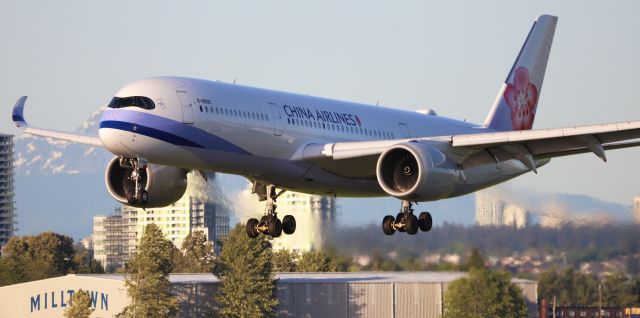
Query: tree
{"type": "Point", "coordinates": [570, 288]}
{"type": "Point", "coordinates": [284, 261]}
{"type": "Point", "coordinates": [196, 254]}
{"type": "Point", "coordinates": [79, 305]}
{"type": "Point", "coordinates": [484, 293]}
{"type": "Point", "coordinates": [316, 261]}
{"type": "Point", "coordinates": [84, 262]}
{"type": "Point", "coordinates": [617, 291]}
{"type": "Point", "coordinates": [245, 270]}
{"type": "Point", "coordinates": [147, 277]}
{"type": "Point", "coordinates": [42, 256]}
{"type": "Point", "coordinates": [475, 260]}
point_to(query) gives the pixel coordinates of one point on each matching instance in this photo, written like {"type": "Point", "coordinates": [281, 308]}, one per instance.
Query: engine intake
{"type": "Point", "coordinates": [417, 172]}
{"type": "Point", "coordinates": [165, 185]}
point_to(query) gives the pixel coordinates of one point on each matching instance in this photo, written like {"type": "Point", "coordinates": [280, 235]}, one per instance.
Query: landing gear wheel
{"type": "Point", "coordinates": [252, 232]}
{"type": "Point", "coordinates": [387, 225]}
{"type": "Point", "coordinates": [264, 219]}
{"type": "Point", "coordinates": [275, 227]}
{"type": "Point", "coordinates": [399, 217]}
{"type": "Point", "coordinates": [143, 197]}
{"type": "Point", "coordinates": [425, 222]}
{"type": "Point", "coordinates": [411, 224]}
{"type": "Point", "coordinates": [131, 198]}
{"type": "Point", "coordinates": [289, 224]}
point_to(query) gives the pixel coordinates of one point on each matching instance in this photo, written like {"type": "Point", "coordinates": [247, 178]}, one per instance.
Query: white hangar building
{"type": "Point", "coordinates": [363, 294]}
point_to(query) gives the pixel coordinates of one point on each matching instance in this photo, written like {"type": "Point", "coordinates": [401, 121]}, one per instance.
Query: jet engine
{"type": "Point", "coordinates": [164, 185]}
{"type": "Point", "coordinates": [416, 171]}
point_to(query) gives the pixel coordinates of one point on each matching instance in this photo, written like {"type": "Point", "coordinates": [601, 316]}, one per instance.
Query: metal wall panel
{"type": "Point", "coordinates": [285, 300]}
{"type": "Point", "coordinates": [319, 300]}
{"type": "Point", "coordinates": [370, 300]}
{"type": "Point", "coordinates": [418, 300]}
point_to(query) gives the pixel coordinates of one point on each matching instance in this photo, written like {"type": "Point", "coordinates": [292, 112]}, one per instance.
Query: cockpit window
{"type": "Point", "coordinates": [132, 101]}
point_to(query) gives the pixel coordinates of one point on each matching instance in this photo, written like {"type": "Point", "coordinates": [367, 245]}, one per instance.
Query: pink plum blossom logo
{"type": "Point", "coordinates": [522, 97]}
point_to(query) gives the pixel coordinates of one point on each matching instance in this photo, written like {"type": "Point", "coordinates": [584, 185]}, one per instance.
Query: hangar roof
{"type": "Point", "coordinates": [348, 277]}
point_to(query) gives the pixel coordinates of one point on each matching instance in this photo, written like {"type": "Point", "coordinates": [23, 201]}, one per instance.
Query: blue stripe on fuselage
{"type": "Point", "coordinates": [165, 129]}
{"type": "Point", "coordinates": [149, 132]}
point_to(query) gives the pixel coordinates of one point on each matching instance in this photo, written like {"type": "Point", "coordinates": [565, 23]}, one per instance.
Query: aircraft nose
{"type": "Point", "coordinates": [115, 134]}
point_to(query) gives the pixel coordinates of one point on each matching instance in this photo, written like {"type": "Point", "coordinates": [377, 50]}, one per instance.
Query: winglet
{"type": "Point", "coordinates": [18, 113]}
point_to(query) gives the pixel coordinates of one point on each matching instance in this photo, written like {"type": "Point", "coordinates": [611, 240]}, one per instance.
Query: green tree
{"type": "Point", "coordinates": [316, 261]}
{"type": "Point", "coordinates": [570, 288]}
{"type": "Point", "coordinates": [284, 261]}
{"type": "Point", "coordinates": [42, 256]}
{"type": "Point", "coordinates": [147, 277]}
{"type": "Point", "coordinates": [245, 269]}
{"type": "Point", "coordinates": [196, 254]}
{"type": "Point", "coordinates": [617, 291]}
{"type": "Point", "coordinates": [84, 262]}
{"type": "Point", "coordinates": [475, 260]}
{"type": "Point", "coordinates": [484, 293]}
{"type": "Point", "coordinates": [79, 305]}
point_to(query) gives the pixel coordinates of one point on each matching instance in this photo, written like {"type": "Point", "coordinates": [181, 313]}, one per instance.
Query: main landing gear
{"type": "Point", "coordinates": [406, 221]}
{"type": "Point", "coordinates": [136, 180]}
{"type": "Point", "coordinates": [269, 224]}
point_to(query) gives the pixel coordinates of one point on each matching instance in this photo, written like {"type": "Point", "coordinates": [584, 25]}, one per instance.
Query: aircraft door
{"type": "Point", "coordinates": [187, 106]}
{"type": "Point", "coordinates": [277, 119]}
{"type": "Point", "coordinates": [404, 130]}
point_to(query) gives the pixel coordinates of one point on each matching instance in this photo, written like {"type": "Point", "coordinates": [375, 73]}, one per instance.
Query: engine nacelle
{"type": "Point", "coordinates": [417, 172]}
{"type": "Point", "coordinates": [165, 185]}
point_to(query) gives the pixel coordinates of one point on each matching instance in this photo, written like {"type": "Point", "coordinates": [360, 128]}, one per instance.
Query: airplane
{"type": "Point", "coordinates": [161, 128]}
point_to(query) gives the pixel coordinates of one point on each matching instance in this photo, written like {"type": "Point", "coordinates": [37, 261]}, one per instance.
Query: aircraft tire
{"type": "Point", "coordinates": [288, 224]}
{"type": "Point", "coordinates": [131, 199]}
{"type": "Point", "coordinates": [387, 225]}
{"type": "Point", "coordinates": [251, 228]}
{"type": "Point", "coordinates": [143, 197]}
{"type": "Point", "coordinates": [411, 224]}
{"type": "Point", "coordinates": [425, 221]}
{"type": "Point", "coordinates": [275, 227]}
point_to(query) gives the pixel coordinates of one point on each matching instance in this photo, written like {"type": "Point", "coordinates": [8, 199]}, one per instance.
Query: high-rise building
{"type": "Point", "coordinates": [7, 204]}
{"type": "Point", "coordinates": [116, 237]}
{"type": "Point", "coordinates": [110, 241]}
{"type": "Point", "coordinates": [636, 209]}
{"type": "Point", "coordinates": [176, 221]}
{"type": "Point", "coordinates": [491, 211]}
{"type": "Point", "coordinates": [314, 214]}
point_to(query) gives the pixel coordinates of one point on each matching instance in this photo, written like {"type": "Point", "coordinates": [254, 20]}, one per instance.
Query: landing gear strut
{"type": "Point", "coordinates": [269, 224]}
{"type": "Point", "coordinates": [135, 182]}
{"type": "Point", "coordinates": [406, 221]}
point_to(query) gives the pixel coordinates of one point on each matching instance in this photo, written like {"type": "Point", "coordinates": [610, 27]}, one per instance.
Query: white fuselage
{"type": "Point", "coordinates": [261, 134]}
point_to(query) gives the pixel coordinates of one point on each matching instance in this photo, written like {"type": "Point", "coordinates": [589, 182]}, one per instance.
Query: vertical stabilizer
{"type": "Point", "coordinates": [516, 104]}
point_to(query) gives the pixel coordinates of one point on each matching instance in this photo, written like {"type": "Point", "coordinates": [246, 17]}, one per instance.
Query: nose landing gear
{"type": "Point", "coordinates": [406, 221]}
{"type": "Point", "coordinates": [269, 224]}
{"type": "Point", "coordinates": [136, 180]}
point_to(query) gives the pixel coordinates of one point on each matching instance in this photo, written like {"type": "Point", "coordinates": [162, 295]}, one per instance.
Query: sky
{"type": "Point", "coordinates": [70, 57]}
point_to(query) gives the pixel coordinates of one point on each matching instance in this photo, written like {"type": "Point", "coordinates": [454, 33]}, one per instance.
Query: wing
{"type": "Point", "coordinates": [358, 159]}
{"type": "Point", "coordinates": [18, 119]}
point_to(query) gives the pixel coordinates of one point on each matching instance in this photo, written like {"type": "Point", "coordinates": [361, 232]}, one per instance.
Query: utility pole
{"type": "Point", "coordinates": [554, 306]}
{"type": "Point", "coordinates": [600, 299]}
